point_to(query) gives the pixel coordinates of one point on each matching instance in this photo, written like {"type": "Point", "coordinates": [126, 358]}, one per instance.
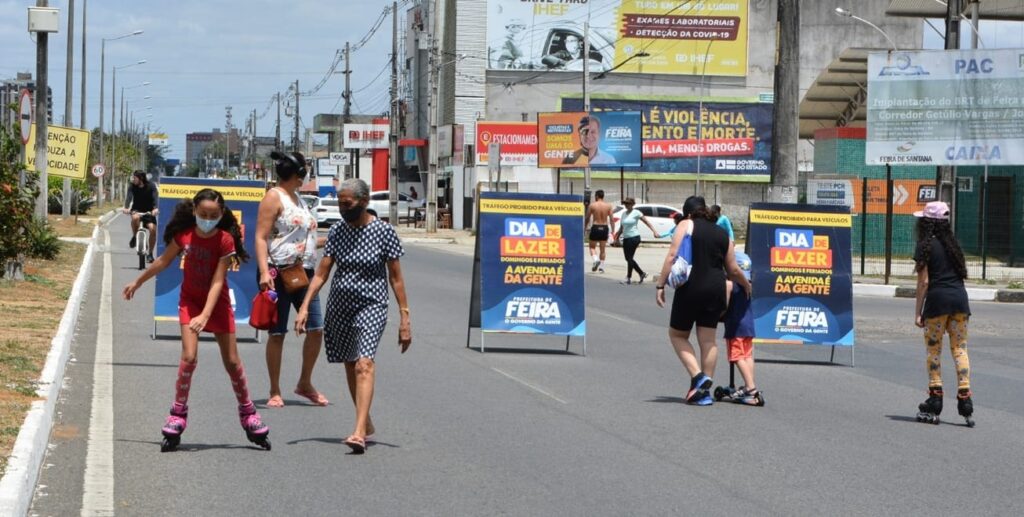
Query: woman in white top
{"type": "Point", "coordinates": [286, 235]}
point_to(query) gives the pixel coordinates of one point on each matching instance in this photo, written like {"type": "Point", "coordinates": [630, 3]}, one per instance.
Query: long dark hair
{"type": "Point", "coordinates": [929, 229]}
{"type": "Point", "coordinates": [287, 165]}
{"type": "Point", "coordinates": [184, 219]}
{"type": "Point", "coordinates": [695, 208]}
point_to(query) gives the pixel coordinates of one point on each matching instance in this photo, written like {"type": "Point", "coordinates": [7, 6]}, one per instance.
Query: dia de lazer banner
{"type": "Point", "coordinates": [241, 197]}
{"type": "Point", "coordinates": [801, 272]}
{"type": "Point", "coordinates": [531, 263]}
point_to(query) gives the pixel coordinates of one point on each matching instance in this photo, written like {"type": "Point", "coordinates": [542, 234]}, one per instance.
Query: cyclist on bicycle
{"type": "Point", "coordinates": [141, 204]}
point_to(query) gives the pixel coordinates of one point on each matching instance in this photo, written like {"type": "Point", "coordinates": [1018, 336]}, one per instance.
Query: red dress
{"type": "Point", "coordinates": [200, 257]}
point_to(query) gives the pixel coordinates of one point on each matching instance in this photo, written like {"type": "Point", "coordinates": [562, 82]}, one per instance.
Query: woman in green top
{"type": "Point", "coordinates": [629, 235]}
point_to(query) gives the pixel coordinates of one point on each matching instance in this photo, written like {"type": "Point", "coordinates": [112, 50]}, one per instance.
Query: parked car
{"type": "Point", "coordinates": [326, 211]}
{"type": "Point", "coordinates": [379, 202]}
{"type": "Point", "coordinates": [662, 217]}
{"type": "Point", "coordinates": [311, 201]}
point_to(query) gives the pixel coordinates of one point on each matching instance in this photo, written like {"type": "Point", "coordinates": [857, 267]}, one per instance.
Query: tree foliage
{"type": "Point", "coordinates": [17, 202]}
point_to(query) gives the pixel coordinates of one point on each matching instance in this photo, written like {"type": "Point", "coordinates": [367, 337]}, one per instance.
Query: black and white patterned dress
{"type": "Point", "coordinates": [357, 308]}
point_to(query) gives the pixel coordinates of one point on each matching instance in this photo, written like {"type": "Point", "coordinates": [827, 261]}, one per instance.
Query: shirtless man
{"type": "Point", "coordinates": [598, 215]}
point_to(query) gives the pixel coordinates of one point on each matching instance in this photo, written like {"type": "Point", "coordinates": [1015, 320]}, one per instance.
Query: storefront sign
{"type": "Point", "coordinates": [518, 141]}
{"type": "Point", "coordinates": [366, 136]}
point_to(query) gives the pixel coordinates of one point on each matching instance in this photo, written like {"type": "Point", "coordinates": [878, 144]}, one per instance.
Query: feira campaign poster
{"type": "Point", "coordinates": [242, 198]}
{"type": "Point", "coordinates": [680, 37]}
{"type": "Point", "coordinates": [531, 263]}
{"type": "Point", "coordinates": [610, 139]}
{"type": "Point", "coordinates": [721, 138]}
{"type": "Point", "coordinates": [803, 283]}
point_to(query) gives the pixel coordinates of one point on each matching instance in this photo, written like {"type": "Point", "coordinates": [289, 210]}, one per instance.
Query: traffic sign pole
{"type": "Point", "coordinates": [25, 119]}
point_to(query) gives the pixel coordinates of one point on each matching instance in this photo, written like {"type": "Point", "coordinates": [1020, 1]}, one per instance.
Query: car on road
{"type": "Point", "coordinates": [325, 210]}
{"type": "Point", "coordinates": [662, 217]}
{"type": "Point", "coordinates": [379, 202]}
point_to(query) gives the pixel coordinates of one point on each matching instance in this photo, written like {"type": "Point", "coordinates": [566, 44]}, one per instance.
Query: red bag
{"type": "Point", "coordinates": [264, 310]}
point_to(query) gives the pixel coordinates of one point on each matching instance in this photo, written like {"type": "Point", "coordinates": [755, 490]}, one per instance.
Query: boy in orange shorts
{"type": "Point", "coordinates": [739, 334]}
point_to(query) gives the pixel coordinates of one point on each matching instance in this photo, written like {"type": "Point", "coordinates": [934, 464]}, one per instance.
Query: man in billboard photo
{"type": "Point", "coordinates": [511, 56]}
{"type": "Point", "coordinates": [590, 142]}
{"type": "Point", "coordinates": [572, 49]}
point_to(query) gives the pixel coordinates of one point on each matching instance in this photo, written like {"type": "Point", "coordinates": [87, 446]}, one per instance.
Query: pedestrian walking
{"type": "Point", "coordinates": [723, 221]}
{"type": "Point", "coordinates": [942, 308]}
{"type": "Point", "coordinates": [286, 237]}
{"type": "Point", "coordinates": [364, 253]}
{"type": "Point", "coordinates": [206, 232]}
{"type": "Point", "coordinates": [629, 234]}
{"type": "Point", "coordinates": [598, 214]}
{"type": "Point", "coordinates": [702, 299]}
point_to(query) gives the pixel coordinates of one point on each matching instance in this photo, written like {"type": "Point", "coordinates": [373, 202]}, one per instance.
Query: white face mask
{"type": "Point", "coordinates": [206, 225]}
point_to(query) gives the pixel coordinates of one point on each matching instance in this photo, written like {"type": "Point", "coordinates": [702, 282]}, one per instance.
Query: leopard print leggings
{"type": "Point", "coordinates": [956, 326]}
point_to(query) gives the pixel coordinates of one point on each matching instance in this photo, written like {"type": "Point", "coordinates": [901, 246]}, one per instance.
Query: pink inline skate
{"type": "Point", "coordinates": [176, 423]}
{"type": "Point", "coordinates": [255, 430]}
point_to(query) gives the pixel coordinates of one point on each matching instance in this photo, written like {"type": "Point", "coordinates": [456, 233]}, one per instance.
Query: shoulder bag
{"type": "Point", "coordinates": [682, 265]}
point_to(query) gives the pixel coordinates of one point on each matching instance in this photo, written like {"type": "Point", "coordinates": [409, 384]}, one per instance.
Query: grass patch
{"type": "Point", "coordinates": [72, 226]}
{"type": "Point", "coordinates": [32, 310]}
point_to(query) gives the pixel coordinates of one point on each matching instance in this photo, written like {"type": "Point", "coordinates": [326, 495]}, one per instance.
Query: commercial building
{"type": "Point", "coordinates": [10, 90]}
{"type": "Point", "coordinates": [196, 145]}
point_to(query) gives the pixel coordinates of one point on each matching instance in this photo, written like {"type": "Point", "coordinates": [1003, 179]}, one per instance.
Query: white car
{"type": "Point", "coordinates": [379, 202]}
{"type": "Point", "coordinates": [662, 217]}
{"type": "Point", "coordinates": [326, 211]}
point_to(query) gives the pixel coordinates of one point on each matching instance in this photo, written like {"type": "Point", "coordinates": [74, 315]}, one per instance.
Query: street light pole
{"type": "Point", "coordinates": [68, 80]}
{"type": "Point", "coordinates": [103, 68]}
{"type": "Point", "coordinates": [586, 104]}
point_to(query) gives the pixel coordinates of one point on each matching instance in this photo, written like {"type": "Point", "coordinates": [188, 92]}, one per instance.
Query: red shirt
{"type": "Point", "coordinates": [200, 257]}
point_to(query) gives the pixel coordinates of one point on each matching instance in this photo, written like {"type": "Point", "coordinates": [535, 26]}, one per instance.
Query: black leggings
{"type": "Point", "coordinates": [629, 246]}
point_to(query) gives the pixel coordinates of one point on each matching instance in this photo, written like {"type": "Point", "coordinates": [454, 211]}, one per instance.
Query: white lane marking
{"type": "Point", "coordinates": [612, 315]}
{"type": "Point", "coordinates": [98, 492]}
{"type": "Point", "coordinates": [528, 385]}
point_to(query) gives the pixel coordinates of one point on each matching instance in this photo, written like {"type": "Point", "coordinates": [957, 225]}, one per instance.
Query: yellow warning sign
{"type": "Point", "coordinates": [67, 152]}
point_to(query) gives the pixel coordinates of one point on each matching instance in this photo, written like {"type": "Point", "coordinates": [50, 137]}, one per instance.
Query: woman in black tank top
{"type": "Point", "coordinates": [701, 299]}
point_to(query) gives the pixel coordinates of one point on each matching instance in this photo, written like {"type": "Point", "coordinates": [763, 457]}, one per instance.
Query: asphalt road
{"type": "Point", "coordinates": [525, 429]}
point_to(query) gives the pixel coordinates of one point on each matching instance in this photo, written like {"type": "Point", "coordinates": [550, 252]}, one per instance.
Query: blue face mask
{"type": "Point", "coordinates": [206, 225]}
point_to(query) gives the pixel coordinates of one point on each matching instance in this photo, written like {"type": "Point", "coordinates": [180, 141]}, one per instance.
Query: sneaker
{"type": "Point", "coordinates": [131, 243]}
{"type": "Point", "coordinates": [642, 277]}
{"type": "Point", "coordinates": [600, 267]}
{"type": "Point", "coordinates": [597, 263]}
{"type": "Point", "coordinates": [627, 282]}
{"type": "Point", "coordinates": [149, 258]}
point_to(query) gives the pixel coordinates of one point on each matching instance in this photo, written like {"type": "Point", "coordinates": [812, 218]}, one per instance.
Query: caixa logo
{"type": "Point", "coordinates": [978, 153]}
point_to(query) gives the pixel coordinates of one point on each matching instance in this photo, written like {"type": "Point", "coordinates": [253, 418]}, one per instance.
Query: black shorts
{"type": "Point", "coordinates": [599, 232]}
{"type": "Point", "coordinates": [147, 219]}
{"type": "Point", "coordinates": [685, 313]}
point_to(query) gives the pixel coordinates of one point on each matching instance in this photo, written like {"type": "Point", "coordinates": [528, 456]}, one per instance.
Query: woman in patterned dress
{"type": "Point", "coordinates": [364, 252]}
{"type": "Point", "coordinates": [286, 235]}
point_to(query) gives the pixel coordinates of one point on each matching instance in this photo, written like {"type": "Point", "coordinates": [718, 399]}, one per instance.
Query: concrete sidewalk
{"type": "Point", "coordinates": [651, 256]}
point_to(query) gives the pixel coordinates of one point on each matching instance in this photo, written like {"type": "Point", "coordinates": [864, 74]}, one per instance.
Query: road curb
{"type": "Point", "coordinates": [18, 484]}
{"type": "Point", "coordinates": [888, 291]}
{"type": "Point", "coordinates": [105, 218]}
{"type": "Point", "coordinates": [428, 240]}
{"type": "Point", "coordinates": [978, 294]}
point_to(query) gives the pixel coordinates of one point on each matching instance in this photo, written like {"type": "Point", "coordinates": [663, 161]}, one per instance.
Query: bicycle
{"type": "Point", "coordinates": [142, 238]}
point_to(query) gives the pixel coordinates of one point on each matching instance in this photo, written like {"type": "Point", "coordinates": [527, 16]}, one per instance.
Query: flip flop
{"type": "Point", "coordinates": [317, 398]}
{"type": "Point", "coordinates": [357, 444]}
{"type": "Point", "coordinates": [275, 401]}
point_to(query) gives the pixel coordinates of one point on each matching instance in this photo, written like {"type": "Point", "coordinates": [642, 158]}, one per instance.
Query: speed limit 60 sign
{"type": "Point", "coordinates": [98, 170]}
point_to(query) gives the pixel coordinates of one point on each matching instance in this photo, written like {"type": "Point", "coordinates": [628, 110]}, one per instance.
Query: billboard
{"type": "Point", "coordinates": [531, 263]}
{"type": "Point", "coordinates": [241, 197]}
{"type": "Point", "coordinates": [159, 139]}
{"type": "Point", "coordinates": [801, 273]}
{"type": "Point", "coordinates": [680, 38]}
{"type": "Point", "coordinates": [580, 139]}
{"type": "Point", "coordinates": [518, 141]}
{"type": "Point", "coordinates": [366, 136]}
{"type": "Point", "coordinates": [946, 107]}
{"type": "Point", "coordinates": [730, 137]}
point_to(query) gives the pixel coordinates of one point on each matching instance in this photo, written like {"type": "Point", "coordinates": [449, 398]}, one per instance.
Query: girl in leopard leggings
{"type": "Point", "coordinates": [942, 307]}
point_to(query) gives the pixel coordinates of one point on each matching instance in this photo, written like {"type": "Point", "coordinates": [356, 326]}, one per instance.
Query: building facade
{"type": "Point", "coordinates": [10, 91]}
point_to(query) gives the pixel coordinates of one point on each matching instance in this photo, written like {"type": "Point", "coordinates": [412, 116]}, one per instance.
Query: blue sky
{"type": "Point", "coordinates": [203, 55]}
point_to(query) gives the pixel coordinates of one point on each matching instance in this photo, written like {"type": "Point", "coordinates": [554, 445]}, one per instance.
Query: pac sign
{"type": "Point", "coordinates": [25, 115]}
{"type": "Point", "coordinates": [972, 66]}
{"type": "Point", "coordinates": [339, 159]}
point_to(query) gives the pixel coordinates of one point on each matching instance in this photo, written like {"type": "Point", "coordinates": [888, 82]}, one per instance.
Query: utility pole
{"type": "Point", "coordinates": [436, 47]}
{"type": "Point", "coordinates": [277, 128]}
{"type": "Point", "coordinates": [227, 138]}
{"type": "Point", "coordinates": [103, 153]}
{"type": "Point", "coordinates": [252, 143]}
{"type": "Point", "coordinates": [393, 140]}
{"type": "Point", "coordinates": [42, 124]}
{"type": "Point", "coordinates": [944, 174]}
{"type": "Point", "coordinates": [586, 104]}
{"type": "Point", "coordinates": [81, 118]}
{"type": "Point", "coordinates": [68, 84]}
{"type": "Point", "coordinates": [295, 147]}
{"type": "Point", "coordinates": [785, 128]}
{"type": "Point", "coordinates": [348, 88]}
